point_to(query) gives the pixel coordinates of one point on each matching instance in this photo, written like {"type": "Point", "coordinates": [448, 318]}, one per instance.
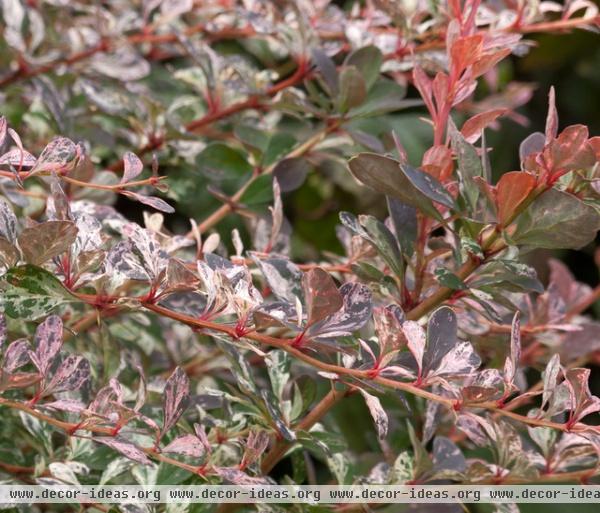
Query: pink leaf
{"type": "Point", "coordinates": [59, 155]}
{"type": "Point", "coordinates": [552, 118]}
{"type": "Point", "coordinates": [151, 201]}
{"type": "Point", "coordinates": [188, 445]}
{"type": "Point", "coordinates": [176, 393]}
{"type": "Point", "coordinates": [16, 355]}
{"type": "Point", "coordinates": [48, 341]}
{"type": "Point", "coordinates": [512, 361]}
{"type": "Point", "coordinates": [73, 372]}
{"type": "Point", "coordinates": [132, 167]}
{"type": "Point", "coordinates": [126, 448]}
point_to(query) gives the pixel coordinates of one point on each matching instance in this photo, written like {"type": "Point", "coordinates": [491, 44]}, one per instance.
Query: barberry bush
{"type": "Point", "coordinates": [164, 323]}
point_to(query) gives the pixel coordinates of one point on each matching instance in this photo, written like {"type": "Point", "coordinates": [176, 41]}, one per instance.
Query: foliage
{"type": "Point", "coordinates": [205, 340]}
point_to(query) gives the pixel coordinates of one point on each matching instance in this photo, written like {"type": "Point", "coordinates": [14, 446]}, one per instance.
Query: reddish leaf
{"type": "Point", "coordinates": [513, 189]}
{"type": "Point", "coordinates": [438, 162]}
{"type": "Point", "coordinates": [570, 151]}
{"type": "Point", "coordinates": [423, 85]}
{"type": "Point", "coordinates": [45, 241]}
{"type": "Point", "coordinates": [465, 51]}
{"type": "Point", "coordinates": [472, 128]}
{"type": "Point", "coordinates": [321, 294]}
{"type": "Point", "coordinates": [488, 60]}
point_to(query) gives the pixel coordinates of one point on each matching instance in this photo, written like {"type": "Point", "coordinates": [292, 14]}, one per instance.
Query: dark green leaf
{"type": "Point", "coordinates": [367, 60]}
{"type": "Point", "coordinates": [412, 186]}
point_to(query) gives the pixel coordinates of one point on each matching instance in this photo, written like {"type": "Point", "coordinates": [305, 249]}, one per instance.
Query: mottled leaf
{"type": "Point", "coordinates": [127, 449]}
{"type": "Point", "coordinates": [45, 241]}
{"type": "Point", "coordinates": [321, 295]}
{"type": "Point", "coordinates": [176, 398]}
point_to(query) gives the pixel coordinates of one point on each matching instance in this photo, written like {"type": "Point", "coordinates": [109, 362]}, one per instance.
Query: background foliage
{"type": "Point", "coordinates": [189, 109]}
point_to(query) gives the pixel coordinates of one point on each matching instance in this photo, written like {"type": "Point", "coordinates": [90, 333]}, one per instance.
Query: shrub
{"type": "Point", "coordinates": [206, 340]}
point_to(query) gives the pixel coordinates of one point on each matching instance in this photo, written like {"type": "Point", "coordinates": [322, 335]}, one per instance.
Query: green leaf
{"type": "Point", "coordinates": [279, 145]}
{"type": "Point", "coordinates": [223, 166]}
{"type": "Point", "coordinates": [469, 166]}
{"type": "Point", "coordinates": [513, 276]}
{"type": "Point", "coordinates": [278, 366]}
{"type": "Point", "coordinates": [557, 220]}
{"type": "Point", "coordinates": [410, 185]}
{"type": "Point", "coordinates": [385, 243]}
{"type": "Point", "coordinates": [30, 292]}
{"type": "Point", "coordinates": [259, 193]}
{"type": "Point", "coordinates": [448, 279]}
{"type": "Point", "coordinates": [385, 96]}
{"type": "Point", "coordinates": [368, 61]}
{"type": "Point", "coordinates": [353, 89]}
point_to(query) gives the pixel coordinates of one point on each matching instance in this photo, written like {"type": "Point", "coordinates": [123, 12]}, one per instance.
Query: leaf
{"type": "Point", "coordinates": [127, 449]}
{"type": "Point", "coordinates": [45, 241]}
{"type": "Point", "coordinates": [354, 314]}
{"type": "Point", "coordinates": [321, 295]}
{"type": "Point", "coordinates": [48, 341]}
{"type": "Point", "coordinates": [283, 277]}
{"type": "Point", "coordinates": [152, 201]}
{"type": "Point", "coordinates": [469, 167]}
{"type": "Point", "coordinates": [290, 173]}
{"type": "Point", "coordinates": [550, 375]}
{"type": "Point", "coordinates": [278, 365]}
{"type": "Point", "coordinates": [132, 167]}
{"type": "Point", "coordinates": [188, 445]}
{"type": "Point", "coordinates": [383, 97]}
{"type": "Point", "coordinates": [72, 373]}
{"type": "Point", "coordinates": [512, 361]}
{"type": "Point", "coordinates": [583, 402]}
{"type": "Point", "coordinates": [367, 60]}
{"type": "Point", "coordinates": [259, 194]}
{"type": "Point", "coordinates": [59, 155]}
{"type": "Point", "coordinates": [384, 241]}
{"type": "Point", "coordinates": [16, 355]}
{"type": "Point", "coordinates": [441, 337]}
{"type": "Point", "coordinates": [352, 89]}
{"type": "Point", "coordinates": [404, 221]}
{"type": "Point", "coordinates": [177, 390]}
{"type": "Point", "coordinates": [557, 220]}
{"type": "Point", "coordinates": [8, 222]}
{"type": "Point", "coordinates": [410, 185]}
{"type": "Point", "coordinates": [552, 118]}
{"type": "Point", "coordinates": [472, 128]}
{"type": "Point", "coordinates": [327, 69]}
{"type": "Point", "coordinates": [3, 331]}
{"type": "Point", "coordinates": [377, 412]}
{"type": "Point", "coordinates": [513, 189]}
{"type": "Point", "coordinates": [30, 292]}
{"type": "Point", "coordinates": [448, 279]}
